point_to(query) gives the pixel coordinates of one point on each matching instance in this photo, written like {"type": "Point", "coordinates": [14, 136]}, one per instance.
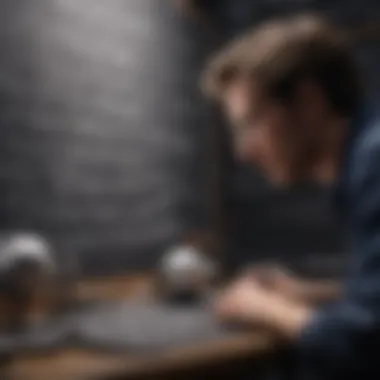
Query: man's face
{"type": "Point", "coordinates": [268, 135]}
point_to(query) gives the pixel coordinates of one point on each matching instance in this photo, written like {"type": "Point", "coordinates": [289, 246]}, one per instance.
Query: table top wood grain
{"type": "Point", "coordinates": [75, 364]}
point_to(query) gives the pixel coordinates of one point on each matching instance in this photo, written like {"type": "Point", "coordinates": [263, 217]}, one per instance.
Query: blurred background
{"type": "Point", "coordinates": [108, 148]}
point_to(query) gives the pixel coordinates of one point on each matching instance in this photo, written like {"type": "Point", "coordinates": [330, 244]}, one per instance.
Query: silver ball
{"type": "Point", "coordinates": [26, 249]}
{"type": "Point", "coordinates": [29, 277]}
{"type": "Point", "coordinates": [186, 268]}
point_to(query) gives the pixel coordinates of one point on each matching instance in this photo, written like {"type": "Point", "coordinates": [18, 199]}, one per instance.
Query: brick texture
{"type": "Point", "coordinates": [102, 136]}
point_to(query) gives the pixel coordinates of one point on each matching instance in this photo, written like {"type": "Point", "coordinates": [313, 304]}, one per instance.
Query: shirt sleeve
{"type": "Point", "coordinates": [336, 342]}
{"type": "Point", "coordinates": [339, 340]}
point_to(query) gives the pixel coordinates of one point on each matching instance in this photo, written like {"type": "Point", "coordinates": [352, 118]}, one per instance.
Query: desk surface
{"type": "Point", "coordinates": [77, 364]}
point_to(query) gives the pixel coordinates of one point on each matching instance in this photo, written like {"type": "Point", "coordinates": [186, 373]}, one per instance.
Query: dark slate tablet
{"type": "Point", "coordinates": [38, 339]}
{"type": "Point", "coordinates": [148, 327]}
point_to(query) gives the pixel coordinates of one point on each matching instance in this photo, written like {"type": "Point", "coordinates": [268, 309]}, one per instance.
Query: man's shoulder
{"type": "Point", "coordinates": [366, 147]}
{"type": "Point", "coordinates": [363, 175]}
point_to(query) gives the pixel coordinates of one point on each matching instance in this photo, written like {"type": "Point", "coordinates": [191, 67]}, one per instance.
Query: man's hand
{"type": "Point", "coordinates": [282, 282]}
{"type": "Point", "coordinates": [247, 302]}
{"type": "Point", "coordinates": [277, 280]}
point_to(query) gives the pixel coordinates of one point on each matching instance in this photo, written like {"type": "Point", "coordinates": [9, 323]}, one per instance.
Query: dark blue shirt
{"type": "Point", "coordinates": [342, 341]}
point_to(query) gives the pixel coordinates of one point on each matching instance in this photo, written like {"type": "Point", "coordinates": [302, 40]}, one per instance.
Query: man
{"type": "Point", "coordinates": [292, 93]}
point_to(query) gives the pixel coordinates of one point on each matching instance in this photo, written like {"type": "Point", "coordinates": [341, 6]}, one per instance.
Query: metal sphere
{"type": "Point", "coordinates": [186, 270]}
{"type": "Point", "coordinates": [32, 281]}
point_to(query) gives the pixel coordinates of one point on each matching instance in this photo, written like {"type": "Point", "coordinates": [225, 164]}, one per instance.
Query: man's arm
{"type": "Point", "coordinates": [343, 338]}
{"type": "Point", "coordinates": [318, 291]}
{"type": "Point", "coordinates": [309, 292]}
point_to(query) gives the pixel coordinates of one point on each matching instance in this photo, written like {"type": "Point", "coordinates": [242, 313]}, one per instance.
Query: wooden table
{"type": "Point", "coordinates": [75, 364]}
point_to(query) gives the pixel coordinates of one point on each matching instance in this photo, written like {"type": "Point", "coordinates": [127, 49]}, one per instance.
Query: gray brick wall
{"type": "Point", "coordinates": [102, 131]}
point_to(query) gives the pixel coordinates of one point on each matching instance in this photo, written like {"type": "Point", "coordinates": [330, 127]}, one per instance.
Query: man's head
{"type": "Point", "coordinates": [289, 89]}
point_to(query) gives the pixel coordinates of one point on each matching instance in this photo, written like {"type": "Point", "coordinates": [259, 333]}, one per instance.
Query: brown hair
{"type": "Point", "coordinates": [279, 54]}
